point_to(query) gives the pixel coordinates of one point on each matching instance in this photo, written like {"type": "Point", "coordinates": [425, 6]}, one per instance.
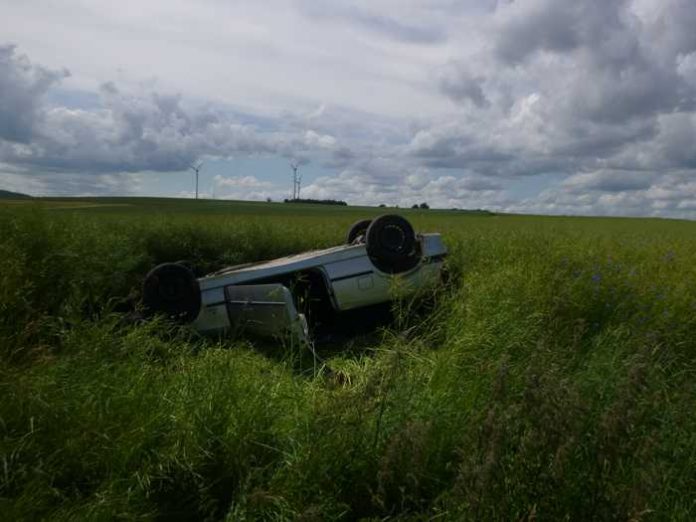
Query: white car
{"type": "Point", "coordinates": [276, 298]}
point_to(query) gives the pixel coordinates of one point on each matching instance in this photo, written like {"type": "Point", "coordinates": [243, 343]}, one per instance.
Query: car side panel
{"type": "Point", "coordinates": [212, 319]}
{"type": "Point", "coordinates": [348, 268]}
{"type": "Point", "coordinates": [362, 290]}
{"type": "Point", "coordinates": [266, 310]}
{"type": "Point", "coordinates": [375, 287]}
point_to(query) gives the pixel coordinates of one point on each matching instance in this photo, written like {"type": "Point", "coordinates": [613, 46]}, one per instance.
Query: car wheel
{"type": "Point", "coordinates": [391, 244]}
{"type": "Point", "coordinates": [357, 229]}
{"type": "Point", "coordinates": [187, 264]}
{"type": "Point", "coordinates": [172, 289]}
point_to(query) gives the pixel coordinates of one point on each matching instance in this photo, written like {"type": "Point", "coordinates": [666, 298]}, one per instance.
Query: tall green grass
{"type": "Point", "coordinates": [553, 377]}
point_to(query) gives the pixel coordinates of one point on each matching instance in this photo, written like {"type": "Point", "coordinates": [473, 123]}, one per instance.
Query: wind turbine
{"type": "Point", "coordinates": [296, 180]}
{"type": "Point", "coordinates": [299, 184]}
{"type": "Point", "coordinates": [196, 169]}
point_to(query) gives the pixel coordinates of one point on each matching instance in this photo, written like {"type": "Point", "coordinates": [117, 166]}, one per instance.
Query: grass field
{"type": "Point", "coordinates": [553, 379]}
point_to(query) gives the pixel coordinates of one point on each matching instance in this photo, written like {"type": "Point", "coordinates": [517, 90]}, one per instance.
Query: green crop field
{"type": "Point", "coordinates": [552, 377]}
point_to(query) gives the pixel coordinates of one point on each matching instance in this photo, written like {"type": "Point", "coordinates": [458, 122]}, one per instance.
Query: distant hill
{"type": "Point", "coordinates": [6, 194]}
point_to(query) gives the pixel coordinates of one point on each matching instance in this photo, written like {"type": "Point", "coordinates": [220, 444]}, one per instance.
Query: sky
{"type": "Point", "coordinates": [581, 107]}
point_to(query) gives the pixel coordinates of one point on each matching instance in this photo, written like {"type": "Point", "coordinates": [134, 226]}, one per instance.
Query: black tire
{"type": "Point", "coordinates": [172, 289]}
{"type": "Point", "coordinates": [391, 244]}
{"type": "Point", "coordinates": [357, 229]}
{"type": "Point", "coordinates": [189, 264]}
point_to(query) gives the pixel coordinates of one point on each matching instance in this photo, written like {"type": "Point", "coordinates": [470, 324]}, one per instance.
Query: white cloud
{"type": "Point", "coordinates": [608, 181]}
{"type": "Point", "coordinates": [670, 195]}
{"type": "Point", "coordinates": [241, 182]}
{"type": "Point", "coordinates": [245, 188]}
{"type": "Point", "coordinates": [390, 101]}
{"type": "Point", "coordinates": [417, 187]}
{"type": "Point", "coordinates": [70, 184]}
{"type": "Point", "coordinates": [324, 141]}
{"type": "Point", "coordinates": [22, 86]}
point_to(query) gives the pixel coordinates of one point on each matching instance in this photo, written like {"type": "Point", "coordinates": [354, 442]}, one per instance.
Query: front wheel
{"type": "Point", "coordinates": [391, 244]}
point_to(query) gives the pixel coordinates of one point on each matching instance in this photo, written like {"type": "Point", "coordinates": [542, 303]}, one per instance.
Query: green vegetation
{"type": "Point", "coordinates": [554, 378]}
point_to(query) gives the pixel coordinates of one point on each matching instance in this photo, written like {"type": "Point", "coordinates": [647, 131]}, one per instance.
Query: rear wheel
{"type": "Point", "coordinates": [172, 289]}
{"type": "Point", "coordinates": [357, 229]}
{"type": "Point", "coordinates": [189, 264]}
{"type": "Point", "coordinates": [391, 244]}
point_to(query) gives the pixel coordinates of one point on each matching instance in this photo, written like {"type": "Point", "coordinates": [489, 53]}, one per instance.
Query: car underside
{"type": "Point", "coordinates": [292, 295]}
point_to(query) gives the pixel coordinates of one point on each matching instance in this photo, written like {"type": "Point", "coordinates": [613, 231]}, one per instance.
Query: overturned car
{"type": "Point", "coordinates": [279, 298]}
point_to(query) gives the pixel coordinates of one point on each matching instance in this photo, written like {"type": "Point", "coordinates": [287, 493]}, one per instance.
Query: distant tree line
{"type": "Point", "coordinates": [317, 201]}
{"type": "Point", "coordinates": [6, 194]}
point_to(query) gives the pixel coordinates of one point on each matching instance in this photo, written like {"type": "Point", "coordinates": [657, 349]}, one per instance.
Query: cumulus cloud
{"type": "Point", "coordinates": [592, 105]}
{"type": "Point", "coordinates": [672, 195]}
{"type": "Point", "coordinates": [245, 188]}
{"type": "Point", "coordinates": [134, 133]}
{"type": "Point", "coordinates": [599, 94]}
{"type": "Point", "coordinates": [325, 141]}
{"type": "Point", "coordinates": [608, 181]}
{"type": "Point", "coordinates": [457, 83]}
{"type": "Point", "coordinates": [22, 88]}
{"type": "Point", "coordinates": [357, 186]}
{"type": "Point", "coordinates": [241, 181]}
{"type": "Point", "coordinates": [39, 183]}
{"type": "Point", "coordinates": [128, 132]}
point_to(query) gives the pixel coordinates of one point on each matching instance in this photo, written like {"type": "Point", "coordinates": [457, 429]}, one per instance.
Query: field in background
{"type": "Point", "coordinates": [553, 379]}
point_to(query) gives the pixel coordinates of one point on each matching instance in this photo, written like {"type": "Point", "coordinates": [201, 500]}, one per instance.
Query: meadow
{"type": "Point", "coordinates": [552, 378]}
